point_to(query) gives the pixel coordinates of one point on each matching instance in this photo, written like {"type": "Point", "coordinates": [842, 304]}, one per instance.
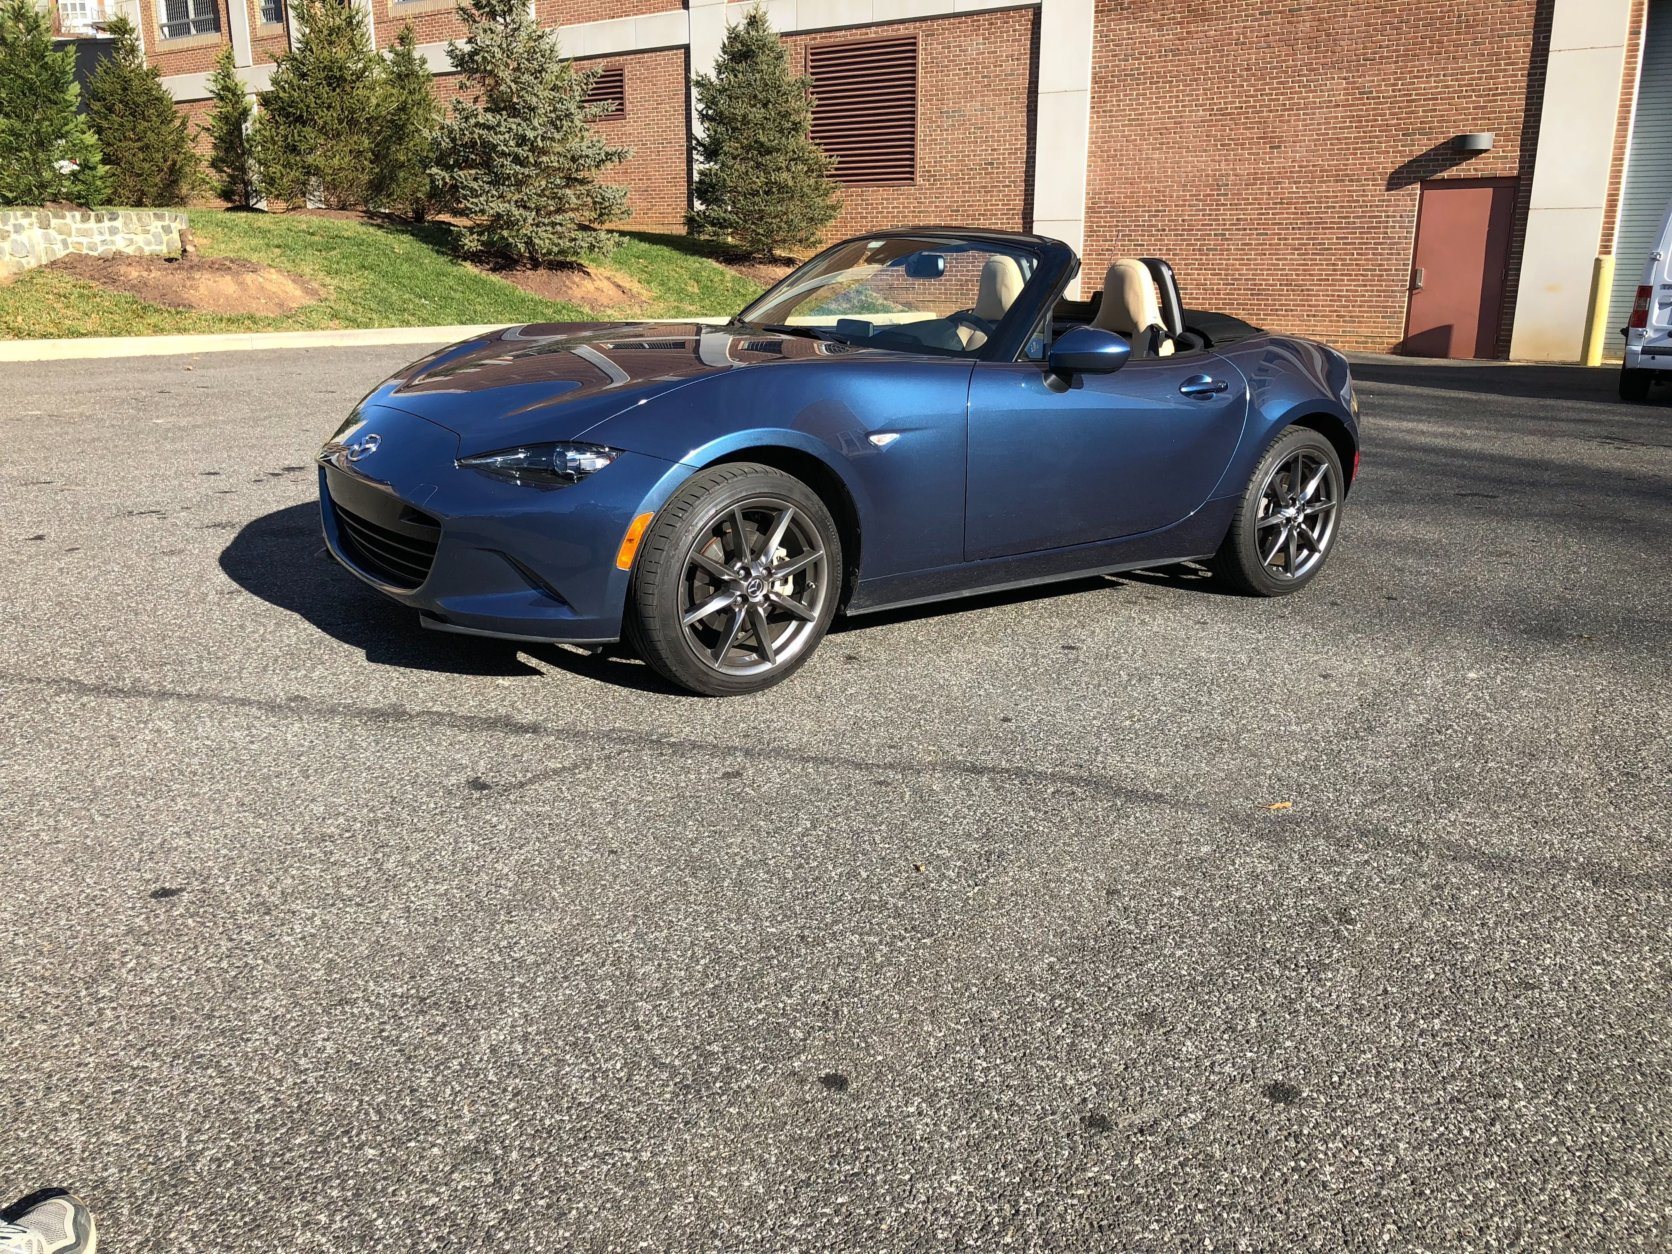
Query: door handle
{"type": "Point", "coordinates": [1418, 275]}
{"type": "Point", "coordinates": [1202, 386]}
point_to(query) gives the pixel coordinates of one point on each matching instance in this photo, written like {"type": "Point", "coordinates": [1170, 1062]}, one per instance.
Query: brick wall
{"type": "Point", "coordinates": [268, 40]}
{"type": "Point", "coordinates": [1622, 122]}
{"type": "Point", "coordinates": [193, 54]}
{"type": "Point", "coordinates": [573, 12]}
{"type": "Point", "coordinates": [657, 175]}
{"type": "Point", "coordinates": [974, 124]}
{"type": "Point", "coordinates": [197, 121]}
{"type": "Point", "coordinates": [433, 21]}
{"type": "Point", "coordinates": [436, 21]}
{"type": "Point", "coordinates": [1275, 154]}
{"type": "Point", "coordinates": [1538, 65]}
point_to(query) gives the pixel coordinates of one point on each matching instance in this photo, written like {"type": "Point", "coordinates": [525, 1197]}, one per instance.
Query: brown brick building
{"type": "Point", "coordinates": [1426, 175]}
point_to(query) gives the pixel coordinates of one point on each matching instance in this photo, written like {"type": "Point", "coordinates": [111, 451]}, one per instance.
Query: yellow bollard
{"type": "Point", "coordinates": [1602, 283]}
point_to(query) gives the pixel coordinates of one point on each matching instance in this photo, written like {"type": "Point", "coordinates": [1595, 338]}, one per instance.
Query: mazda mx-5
{"type": "Point", "coordinates": [913, 415]}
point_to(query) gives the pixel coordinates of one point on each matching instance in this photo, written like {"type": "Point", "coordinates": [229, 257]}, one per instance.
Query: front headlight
{"type": "Point", "coordinates": [544, 465]}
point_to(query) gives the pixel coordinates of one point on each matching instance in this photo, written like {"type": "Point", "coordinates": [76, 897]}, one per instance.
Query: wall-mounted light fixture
{"type": "Point", "coordinates": [1475, 141]}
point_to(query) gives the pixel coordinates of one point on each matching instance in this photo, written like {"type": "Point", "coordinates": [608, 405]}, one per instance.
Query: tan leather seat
{"type": "Point", "coordinates": [1130, 306]}
{"type": "Point", "coordinates": [1001, 284]}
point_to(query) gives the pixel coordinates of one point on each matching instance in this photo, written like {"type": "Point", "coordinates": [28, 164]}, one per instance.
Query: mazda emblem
{"type": "Point", "coordinates": [365, 446]}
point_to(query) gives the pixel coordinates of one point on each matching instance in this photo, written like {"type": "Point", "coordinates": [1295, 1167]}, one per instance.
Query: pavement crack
{"type": "Point", "coordinates": [304, 707]}
{"type": "Point", "coordinates": [1230, 814]}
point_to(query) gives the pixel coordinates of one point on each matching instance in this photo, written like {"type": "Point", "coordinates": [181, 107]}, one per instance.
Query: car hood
{"type": "Point", "coordinates": [555, 381]}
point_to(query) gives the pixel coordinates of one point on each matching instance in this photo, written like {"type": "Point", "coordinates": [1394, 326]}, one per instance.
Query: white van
{"type": "Point", "coordinates": [1649, 333]}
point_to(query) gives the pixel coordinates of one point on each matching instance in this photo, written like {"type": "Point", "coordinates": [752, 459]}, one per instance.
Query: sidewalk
{"type": "Point", "coordinates": [181, 345]}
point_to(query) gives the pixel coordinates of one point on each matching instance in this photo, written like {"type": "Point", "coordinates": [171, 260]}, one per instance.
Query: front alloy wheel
{"type": "Point", "coordinates": [1296, 519]}
{"type": "Point", "coordinates": [1287, 521]}
{"type": "Point", "coordinates": [737, 581]}
{"type": "Point", "coordinates": [753, 587]}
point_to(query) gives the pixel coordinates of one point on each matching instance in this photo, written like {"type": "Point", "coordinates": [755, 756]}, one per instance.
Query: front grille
{"type": "Point", "coordinates": [394, 557]}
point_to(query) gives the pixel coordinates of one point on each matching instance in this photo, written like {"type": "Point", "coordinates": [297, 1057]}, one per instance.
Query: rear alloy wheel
{"type": "Point", "coordinates": [1287, 521]}
{"type": "Point", "coordinates": [737, 581]}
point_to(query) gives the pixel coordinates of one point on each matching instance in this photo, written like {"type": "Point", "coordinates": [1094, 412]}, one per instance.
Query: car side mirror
{"type": "Point", "coordinates": [1088, 350]}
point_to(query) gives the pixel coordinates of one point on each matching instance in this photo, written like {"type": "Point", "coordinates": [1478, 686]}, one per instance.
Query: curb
{"type": "Point", "coordinates": [85, 347]}
{"type": "Point", "coordinates": [172, 345]}
{"type": "Point", "coordinates": [179, 345]}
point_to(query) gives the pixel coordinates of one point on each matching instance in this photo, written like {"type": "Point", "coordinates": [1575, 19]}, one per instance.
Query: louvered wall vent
{"type": "Point", "coordinates": [865, 108]}
{"type": "Point", "coordinates": [610, 88]}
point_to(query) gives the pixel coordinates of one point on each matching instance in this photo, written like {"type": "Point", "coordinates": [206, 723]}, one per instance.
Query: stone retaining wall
{"type": "Point", "coordinates": [33, 237]}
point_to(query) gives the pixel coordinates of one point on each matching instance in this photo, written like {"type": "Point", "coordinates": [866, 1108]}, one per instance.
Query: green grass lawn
{"type": "Point", "coordinates": [374, 275]}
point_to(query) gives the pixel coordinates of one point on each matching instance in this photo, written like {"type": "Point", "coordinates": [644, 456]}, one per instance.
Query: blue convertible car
{"type": "Point", "coordinates": [909, 416]}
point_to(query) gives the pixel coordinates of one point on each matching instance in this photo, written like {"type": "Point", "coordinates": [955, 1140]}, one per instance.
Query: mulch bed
{"type": "Point", "coordinates": [590, 287]}
{"type": "Point", "coordinates": [216, 285]}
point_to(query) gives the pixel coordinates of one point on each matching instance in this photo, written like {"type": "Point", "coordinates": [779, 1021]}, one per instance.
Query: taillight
{"type": "Point", "coordinates": [1640, 308]}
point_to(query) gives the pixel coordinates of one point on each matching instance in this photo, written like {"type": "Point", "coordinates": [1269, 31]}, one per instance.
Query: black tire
{"type": "Point", "coordinates": [1634, 385]}
{"type": "Point", "coordinates": [693, 537]}
{"type": "Point", "coordinates": [1241, 561]}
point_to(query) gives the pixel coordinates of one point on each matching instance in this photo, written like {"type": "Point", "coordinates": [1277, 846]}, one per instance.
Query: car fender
{"type": "Point", "coordinates": [729, 447]}
{"type": "Point", "coordinates": [1289, 379]}
{"type": "Point", "coordinates": [892, 432]}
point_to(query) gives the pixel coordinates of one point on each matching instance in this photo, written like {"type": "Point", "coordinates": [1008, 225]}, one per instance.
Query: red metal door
{"type": "Point", "coordinates": [1457, 275]}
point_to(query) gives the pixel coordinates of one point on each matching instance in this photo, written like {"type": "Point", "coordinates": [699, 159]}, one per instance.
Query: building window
{"type": "Point", "coordinates": [184, 18]}
{"type": "Point", "coordinates": [865, 108]}
{"type": "Point", "coordinates": [272, 12]}
{"type": "Point", "coordinates": [609, 89]}
{"type": "Point", "coordinates": [78, 17]}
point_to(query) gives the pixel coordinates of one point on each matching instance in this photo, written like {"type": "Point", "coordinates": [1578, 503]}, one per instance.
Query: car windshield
{"type": "Point", "coordinates": [915, 295]}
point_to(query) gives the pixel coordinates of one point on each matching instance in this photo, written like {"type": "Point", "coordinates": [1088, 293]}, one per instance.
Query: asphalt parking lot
{"type": "Point", "coordinates": [323, 932]}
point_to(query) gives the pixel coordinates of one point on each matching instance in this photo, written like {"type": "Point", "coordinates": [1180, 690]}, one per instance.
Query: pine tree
{"type": "Point", "coordinates": [762, 185]}
{"type": "Point", "coordinates": [517, 157]}
{"type": "Point", "coordinates": [47, 150]}
{"type": "Point", "coordinates": [231, 154]}
{"type": "Point", "coordinates": [408, 117]}
{"type": "Point", "coordinates": [317, 127]}
{"type": "Point", "coordinates": [147, 148]}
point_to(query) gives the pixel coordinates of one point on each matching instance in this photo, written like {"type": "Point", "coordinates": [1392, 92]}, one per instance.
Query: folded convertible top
{"type": "Point", "coordinates": [1220, 328]}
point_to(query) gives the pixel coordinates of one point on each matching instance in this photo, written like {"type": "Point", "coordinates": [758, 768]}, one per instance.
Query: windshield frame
{"type": "Point", "coordinates": [1055, 264]}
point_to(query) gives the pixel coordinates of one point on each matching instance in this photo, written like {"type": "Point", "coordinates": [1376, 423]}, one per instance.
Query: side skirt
{"type": "Point", "coordinates": [1191, 539]}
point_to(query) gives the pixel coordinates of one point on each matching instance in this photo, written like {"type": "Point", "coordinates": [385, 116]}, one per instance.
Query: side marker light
{"type": "Point", "coordinates": [630, 541]}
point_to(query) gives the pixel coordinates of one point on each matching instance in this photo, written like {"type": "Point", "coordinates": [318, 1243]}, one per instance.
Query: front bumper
{"type": "Point", "coordinates": [475, 554]}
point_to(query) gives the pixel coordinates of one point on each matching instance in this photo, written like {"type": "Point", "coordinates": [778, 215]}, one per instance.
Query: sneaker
{"type": "Point", "coordinates": [59, 1225]}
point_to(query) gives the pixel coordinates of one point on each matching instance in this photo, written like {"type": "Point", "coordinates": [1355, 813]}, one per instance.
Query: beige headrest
{"type": "Point", "coordinates": [1001, 284]}
{"type": "Point", "coordinates": [1129, 302]}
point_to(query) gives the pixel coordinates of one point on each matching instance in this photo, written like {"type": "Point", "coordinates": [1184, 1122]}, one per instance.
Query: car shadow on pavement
{"type": "Point", "coordinates": [1183, 575]}
{"type": "Point", "coordinates": [281, 558]}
